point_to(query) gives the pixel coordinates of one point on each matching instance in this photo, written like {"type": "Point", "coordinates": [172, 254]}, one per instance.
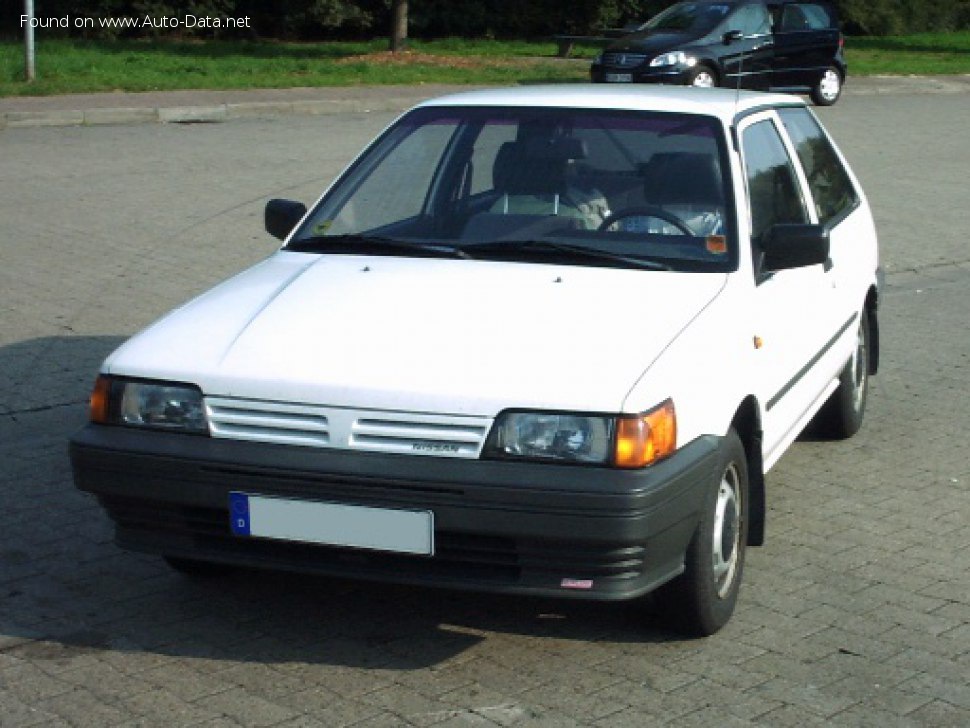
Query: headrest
{"type": "Point", "coordinates": [535, 166]}
{"type": "Point", "coordinates": [684, 178]}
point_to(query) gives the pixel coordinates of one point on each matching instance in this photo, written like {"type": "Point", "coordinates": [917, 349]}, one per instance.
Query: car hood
{"type": "Point", "coordinates": [651, 42]}
{"type": "Point", "coordinates": [420, 335]}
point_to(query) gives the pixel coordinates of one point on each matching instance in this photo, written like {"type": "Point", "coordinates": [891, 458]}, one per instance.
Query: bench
{"type": "Point", "coordinates": [606, 36]}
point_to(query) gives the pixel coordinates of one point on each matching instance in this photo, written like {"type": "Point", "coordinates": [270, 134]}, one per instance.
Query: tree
{"type": "Point", "coordinates": [399, 25]}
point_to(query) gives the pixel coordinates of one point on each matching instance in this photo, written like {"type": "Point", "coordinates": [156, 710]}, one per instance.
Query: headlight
{"type": "Point", "coordinates": [157, 405]}
{"type": "Point", "coordinates": [624, 441]}
{"type": "Point", "coordinates": [674, 58]}
{"type": "Point", "coordinates": [553, 436]}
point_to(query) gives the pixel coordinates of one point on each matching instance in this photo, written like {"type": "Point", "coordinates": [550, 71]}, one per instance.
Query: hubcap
{"type": "Point", "coordinates": [830, 85]}
{"type": "Point", "coordinates": [727, 531]}
{"type": "Point", "coordinates": [704, 80]}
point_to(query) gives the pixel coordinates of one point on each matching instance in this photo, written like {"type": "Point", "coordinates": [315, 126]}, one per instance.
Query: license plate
{"type": "Point", "coordinates": [333, 524]}
{"type": "Point", "coordinates": [619, 77]}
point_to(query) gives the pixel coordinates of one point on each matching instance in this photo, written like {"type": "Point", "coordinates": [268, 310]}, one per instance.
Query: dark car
{"type": "Point", "coordinates": [752, 44]}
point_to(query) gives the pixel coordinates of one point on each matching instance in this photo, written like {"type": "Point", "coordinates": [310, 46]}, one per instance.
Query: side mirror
{"type": "Point", "coordinates": [281, 216]}
{"type": "Point", "coordinates": [795, 246]}
{"type": "Point", "coordinates": [731, 36]}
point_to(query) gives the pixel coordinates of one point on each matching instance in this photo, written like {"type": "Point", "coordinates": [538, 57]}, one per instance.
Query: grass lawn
{"type": "Point", "coordinates": [924, 53]}
{"type": "Point", "coordinates": [65, 66]}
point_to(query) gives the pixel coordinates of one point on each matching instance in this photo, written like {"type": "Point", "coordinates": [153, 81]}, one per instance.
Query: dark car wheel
{"type": "Point", "coordinates": [841, 417]}
{"type": "Point", "coordinates": [828, 89]}
{"type": "Point", "coordinates": [702, 599]}
{"type": "Point", "coordinates": [702, 77]}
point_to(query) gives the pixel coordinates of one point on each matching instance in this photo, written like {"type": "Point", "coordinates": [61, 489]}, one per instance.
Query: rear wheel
{"type": "Point", "coordinates": [702, 599]}
{"type": "Point", "coordinates": [702, 77]}
{"type": "Point", "coordinates": [828, 89]}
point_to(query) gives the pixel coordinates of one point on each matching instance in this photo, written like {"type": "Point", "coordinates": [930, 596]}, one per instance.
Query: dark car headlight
{"type": "Point", "coordinates": [168, 406]}
{"type": "Point", "coordinates": [674, 58]}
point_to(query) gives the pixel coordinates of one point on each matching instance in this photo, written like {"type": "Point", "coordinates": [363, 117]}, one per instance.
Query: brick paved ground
{"type": "Point", "coordinates": [856, 612]}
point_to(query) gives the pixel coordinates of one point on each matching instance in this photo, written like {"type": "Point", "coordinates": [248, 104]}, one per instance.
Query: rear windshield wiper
{"type": "Point", "coordinates": [357, 244]}
{"type": "Point", "coordinates": [573, 252]}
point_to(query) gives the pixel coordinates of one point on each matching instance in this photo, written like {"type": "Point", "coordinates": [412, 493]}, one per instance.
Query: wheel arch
{"type": "Point", "coordinates": [747, 423]}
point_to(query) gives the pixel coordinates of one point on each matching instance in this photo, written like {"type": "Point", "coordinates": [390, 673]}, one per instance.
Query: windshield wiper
{"type": "Point", "coordinates": [357, 244]}
{"type": "Point", "coordinates": [546, 247]}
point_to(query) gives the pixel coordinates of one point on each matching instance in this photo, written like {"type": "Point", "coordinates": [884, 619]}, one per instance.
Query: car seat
{"type": "Point", "coordinates": [688, 185]}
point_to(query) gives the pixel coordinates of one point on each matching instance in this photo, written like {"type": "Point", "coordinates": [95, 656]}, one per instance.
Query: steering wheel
{"type": "Point", "coordinates": [646, 211]}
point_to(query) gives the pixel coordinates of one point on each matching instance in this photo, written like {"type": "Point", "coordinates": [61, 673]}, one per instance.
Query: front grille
{"type": "Point", "coordinates": [398, 435]}
{"type": "Point", "coordinates": [342, 428]}
{"type": "Point", "coordinates": [623, 60]}
{"type": "Point", "coordinates": [272, 422]}
{"type": "Point", "coordinates": [459, 556]}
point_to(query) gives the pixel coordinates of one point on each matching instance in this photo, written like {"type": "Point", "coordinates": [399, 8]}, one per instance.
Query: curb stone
{"type": "Point", "coordinates": [370, 100]}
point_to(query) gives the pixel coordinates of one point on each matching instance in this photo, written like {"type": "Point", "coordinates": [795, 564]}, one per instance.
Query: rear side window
{"type": "Point", "coordinates": [818, 17]}
{"type": "Point", "coordinates": [829, 182]}
{"type": "Point", "coordinates": [772, 186]}
{"type": "Point", "coordinates": [805, 16]}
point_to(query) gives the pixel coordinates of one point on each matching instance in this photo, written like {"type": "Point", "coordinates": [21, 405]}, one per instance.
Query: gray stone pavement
{"type": "Point", "coordinates": [221, 105]}
{"type": "Point", "coordinates": [856, 612]}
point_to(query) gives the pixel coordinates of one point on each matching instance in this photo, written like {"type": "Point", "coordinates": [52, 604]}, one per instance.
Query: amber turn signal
{"type": "Point", "coordinates": [647, 438]}
{"type": "Point", "coordinates": [99, 400]}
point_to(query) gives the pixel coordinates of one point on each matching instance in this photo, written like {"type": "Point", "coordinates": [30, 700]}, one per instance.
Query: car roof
{"type": "Point", "coordinates": [725, 104]}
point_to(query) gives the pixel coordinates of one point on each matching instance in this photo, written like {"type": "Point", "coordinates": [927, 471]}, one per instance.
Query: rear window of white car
{"type": "Point", "coordinates": [830, 184]}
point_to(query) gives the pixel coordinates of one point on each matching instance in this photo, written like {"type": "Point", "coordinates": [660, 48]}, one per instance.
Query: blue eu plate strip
{"type": "Point", "coordinates": [239, 513]}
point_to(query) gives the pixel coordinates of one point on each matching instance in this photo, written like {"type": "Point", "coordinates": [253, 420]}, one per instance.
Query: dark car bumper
{"type": "Point", "coordinates": [498, 526]}
{"type": "Point", "coordinates": [674, 76]}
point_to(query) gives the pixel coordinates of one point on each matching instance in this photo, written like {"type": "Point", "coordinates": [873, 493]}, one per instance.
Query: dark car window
{"type": "Point", "coordinates": [694, 17]}
{"type": "Point", "coordinates": [750, 20]}
{"type": "Point", "coordinates": [772, 186]}
{"type": "Point", "coordinates": [829, 182]}
{"type": "Point", "coordinates": [818, 16]}
{"type": "Point", "coordinates": [803, 16]}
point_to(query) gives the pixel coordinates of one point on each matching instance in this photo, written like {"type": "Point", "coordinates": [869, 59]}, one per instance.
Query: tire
{"type": "Point", "coordinates": [197, 569]}
{"type": "Point", "coordinates": [702, 599]}
{"type": "Point", "coordinates": [828, 89]}
{"type": "Point", "coordinates": [702, 77]}
{"type": "Point", "coordinates": [841, 416]}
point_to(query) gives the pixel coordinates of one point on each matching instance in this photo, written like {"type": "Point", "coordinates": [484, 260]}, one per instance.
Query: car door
{"type": "Point", "coordinates": [747, 61]}
{"type": "Point", "coordinates": [806, 42]}
{"type": "Point", "coordinates": [793, 312]}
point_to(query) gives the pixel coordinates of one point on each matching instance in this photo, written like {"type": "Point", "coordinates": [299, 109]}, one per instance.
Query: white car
{"type": "Point", "coordinates": [540, 341]}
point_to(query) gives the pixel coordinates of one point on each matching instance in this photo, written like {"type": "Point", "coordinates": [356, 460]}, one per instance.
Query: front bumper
{"type": "Point", "coordinates": [499, 526]}
{"type": "Point", "coordinates": [671, 75]}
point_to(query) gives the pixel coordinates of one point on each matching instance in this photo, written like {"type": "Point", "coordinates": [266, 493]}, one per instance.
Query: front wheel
{"type": "Point", "coordinates": [702, 77]}
{"type": "Point", "coordinates": [828, 89]}
{"type": "Point", "coordinates": [702, 599]}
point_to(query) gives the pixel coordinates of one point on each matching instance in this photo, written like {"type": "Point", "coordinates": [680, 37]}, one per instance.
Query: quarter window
{"type": "Point", "coordinates": [829, 182]}
{"type": "Point", "coordinates": [772, 185]}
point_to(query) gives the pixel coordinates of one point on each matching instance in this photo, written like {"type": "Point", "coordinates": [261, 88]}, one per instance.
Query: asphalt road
{"type": "Point", "coordinates": [856, 612]}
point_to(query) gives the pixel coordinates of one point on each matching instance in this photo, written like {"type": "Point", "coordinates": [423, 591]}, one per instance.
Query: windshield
{"type": "Point", "coordinates": [695, 17]}
{"type": "Point", "coordinates": [584, 187]}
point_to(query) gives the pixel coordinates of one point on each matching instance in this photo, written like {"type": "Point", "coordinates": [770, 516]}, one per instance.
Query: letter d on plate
{"type": "Point", "coordinates": [239, 513]}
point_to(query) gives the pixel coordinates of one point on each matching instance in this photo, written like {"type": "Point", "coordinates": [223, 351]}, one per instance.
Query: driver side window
{"type": "Point", "coordinates": [751, 20]}
{"type": "Point", "coordinates": [773, 188]}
